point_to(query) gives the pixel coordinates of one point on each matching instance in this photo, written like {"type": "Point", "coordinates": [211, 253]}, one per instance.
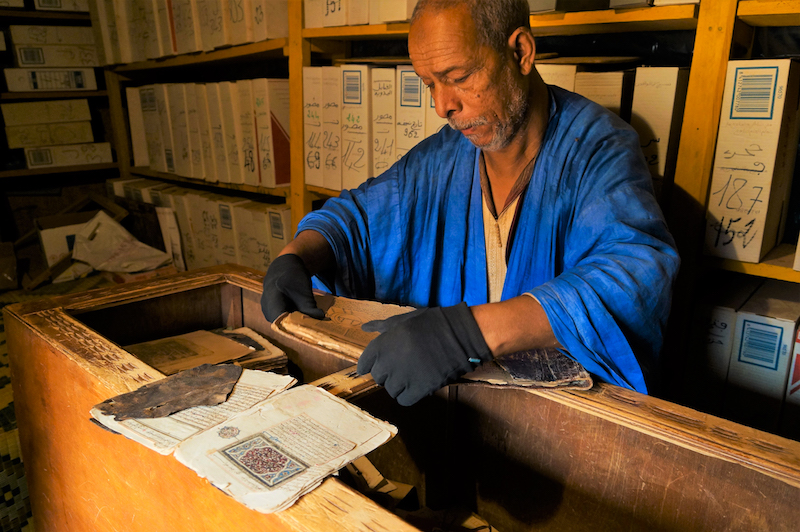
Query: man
{"type": "Point", "coordinates": [529, 223]}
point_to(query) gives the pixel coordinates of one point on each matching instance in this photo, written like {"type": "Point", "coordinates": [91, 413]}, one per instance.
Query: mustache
{"type": "Point", "coordinates": [460, 125]}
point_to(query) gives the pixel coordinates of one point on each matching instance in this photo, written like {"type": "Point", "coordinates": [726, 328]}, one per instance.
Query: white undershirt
{"type": "Point", "coordinates": [495, 234]}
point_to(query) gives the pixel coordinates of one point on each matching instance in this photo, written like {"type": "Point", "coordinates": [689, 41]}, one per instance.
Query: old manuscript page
{"type": "Point", "coordinates": [164, 434]}
{"type": "Point", "coordinates": [281, 449]}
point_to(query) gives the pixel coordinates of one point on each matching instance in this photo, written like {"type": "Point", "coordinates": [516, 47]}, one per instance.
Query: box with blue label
{"type": "Point", "coordinates": [762, 350]}
{"type": "Point", "coordinates": [754, 159]}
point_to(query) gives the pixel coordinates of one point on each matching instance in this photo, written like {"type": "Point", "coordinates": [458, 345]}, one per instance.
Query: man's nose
{"type": "Point", "coordinates": [446, 100]}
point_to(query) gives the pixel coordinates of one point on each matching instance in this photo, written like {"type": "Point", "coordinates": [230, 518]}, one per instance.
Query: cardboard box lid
{"type": "Point", "coordinates": [775, 299]}
{"type": "Point", "coordinates": [59, 220]}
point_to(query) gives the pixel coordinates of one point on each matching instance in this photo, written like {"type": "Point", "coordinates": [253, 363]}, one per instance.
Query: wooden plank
{"type": "Point", "coordinates": [582, 472]}
{"type": "Point", "coordinates": [51, 95]}
{"type": "Point", "coordinates": [708, 435]}
{"type": "Point", "coordinates": [375, 31]}
{"type": "Point", "coordinates": [251, 51]}
{"type": "Point", "coordinates": [704, 102]}
{"type": "Point", "coordinates": [231, 306]}
{"type": "Point", "coordinates": [17, 15]}
{"type": "Point", "coordinates": [347, 384]}
{"type": "Point", "coordinates": [57, 170]}
{"type": "Point", "coordinates": [147, 172]}
{"type": "Point", "coordinates": [299, 50]}
{"type": "Point", "coordinates": [663, 18]}
{"type": "Point", "coordinates": [777, 264]}
{"type": "Point", "coordinates": [684, 201]}
{"type": "Point", "coordinates": [324, 192]}
{"type": "Point", "coordinates": [769, 12]}
{"type": "Point", "coordinates": [119, 123]}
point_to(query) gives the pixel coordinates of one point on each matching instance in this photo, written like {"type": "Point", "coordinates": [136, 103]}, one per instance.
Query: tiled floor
{"type": "Point", "coordinates": [15, 508]}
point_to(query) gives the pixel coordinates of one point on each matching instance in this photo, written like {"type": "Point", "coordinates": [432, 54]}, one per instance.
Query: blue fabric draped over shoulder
{"type": "Point", "coordinates": [590, 243]}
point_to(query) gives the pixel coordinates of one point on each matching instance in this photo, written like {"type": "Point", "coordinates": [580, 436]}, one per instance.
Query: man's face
{"type": "Point", "coordinates": [473, 86]}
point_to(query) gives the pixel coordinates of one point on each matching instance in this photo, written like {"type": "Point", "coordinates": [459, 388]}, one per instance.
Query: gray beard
{"type": "Point", "coordinates": [516, 111]}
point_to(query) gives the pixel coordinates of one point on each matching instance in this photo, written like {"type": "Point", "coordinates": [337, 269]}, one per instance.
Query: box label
{"type": "Point", "coordinates": [760, 344]}
{"type": "Point", "coordinates": [754, 93]}
{"type": "Point", "coordinates": [351, 87]}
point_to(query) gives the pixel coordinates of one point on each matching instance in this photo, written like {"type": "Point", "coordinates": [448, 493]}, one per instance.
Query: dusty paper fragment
{"type": "Point", "coordinates": [204, 385]}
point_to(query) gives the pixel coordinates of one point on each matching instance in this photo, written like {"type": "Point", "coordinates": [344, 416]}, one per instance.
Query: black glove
{"type": "Point", "coordinates": [287, 287]}
{"type": "Point", "coordinates": [419, 352]}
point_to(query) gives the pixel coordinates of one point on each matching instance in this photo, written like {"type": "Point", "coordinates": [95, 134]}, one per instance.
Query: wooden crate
{"type": "Point", "coordinates": [606, 459]}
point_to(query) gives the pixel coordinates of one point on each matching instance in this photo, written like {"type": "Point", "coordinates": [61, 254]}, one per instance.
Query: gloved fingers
{"type": "Point", "coordinates": [409, 396]}
{"type": "Point", "coordinates": [308, 305]}
{"type": "Point", "coordinates": [273, 304]}
{"type": "Point", "coordinates": [395, 387]}
{"type": "Point", "coordinates": [367, 360]}
{"type": "Point", "coordinates": [382, 326]}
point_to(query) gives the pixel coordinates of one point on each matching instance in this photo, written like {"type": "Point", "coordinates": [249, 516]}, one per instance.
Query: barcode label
{"type": "Point", "coordinates": [170, 160]}
{"type": "Point", "coordinates": [754, 93]}
{"type": "Point", "coordinates": [137, 195]}
{"type": "Point", "coordinates": [276, 225]}
{"type": "Point", "coordinates": [410, 90]}
{"type": "Point", "coordinates": [56, 80]}
{"type": "Point", "coordinates": [155, 196]}
{"type": "Point", "coordinates": [49, 3]}
{"type": "Point", "coordinates": [760, 344]}
{"type": "Point", "coordinates": [351, 87]}
{"type": "Point", "coordinates": [40, 157]}
{"type": "Point", "coordinates": [225, 218]}
{"type": "Point", "coordinates": [147, 97]}
{"type": "Point", "coordinates": [31, 56]}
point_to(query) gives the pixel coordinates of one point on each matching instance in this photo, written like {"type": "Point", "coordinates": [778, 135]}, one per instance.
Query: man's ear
{"type": "Point", "coordinates": [524, 47]}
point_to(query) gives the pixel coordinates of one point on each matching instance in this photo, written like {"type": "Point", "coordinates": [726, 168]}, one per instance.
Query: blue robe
{"type": "Point", "coordinates": [590, 242]}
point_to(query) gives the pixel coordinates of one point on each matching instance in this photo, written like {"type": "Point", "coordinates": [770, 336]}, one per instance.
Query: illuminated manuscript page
{"type": "Point", "coordinates": [269, 456]}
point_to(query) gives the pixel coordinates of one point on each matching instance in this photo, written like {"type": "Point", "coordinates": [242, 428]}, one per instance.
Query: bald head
{"type": "Point", "coordinates": [494, 20]}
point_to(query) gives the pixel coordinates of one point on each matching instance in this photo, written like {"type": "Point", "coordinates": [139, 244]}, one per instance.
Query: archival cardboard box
{"type": "Point", "coordinates": [790, 414]}
{"type": "Point", "coordinates": [57, 234]}
{"type": "Point", "coordinates": [762, 350]}
{"type": "Point", "coordinates": [754, 160]}
{"type": "Point", "coordinates": [713, 328]}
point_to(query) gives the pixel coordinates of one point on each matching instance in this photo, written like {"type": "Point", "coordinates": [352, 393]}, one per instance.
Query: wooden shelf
{"type": "Point", "coordinates": [57, 170]}
{"type": "Point", "coordinates": [147, 172]}
{"type": "Point", "coordinates": [375, 31]}
{"type": "Point", "coordinates": [251, 51]}
{"type": "Point", "coordinates": [769, 12]}
{"type": "Point", "coordinates": [324, 192]}
{"type": "Point", "coordinates": [51, 95]}
{"type": "Point", "coordinates": [664, 18]}
{"type": "Point", "coordinates": [776, 265]}
{"type": "Point", "coordinates": [7, 14]}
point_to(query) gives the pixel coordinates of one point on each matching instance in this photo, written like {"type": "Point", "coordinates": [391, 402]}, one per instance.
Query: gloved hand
{"type": "Point", "coordinates": [287, 287]}
{"type": "Point", "coordinates": [419, 352]}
